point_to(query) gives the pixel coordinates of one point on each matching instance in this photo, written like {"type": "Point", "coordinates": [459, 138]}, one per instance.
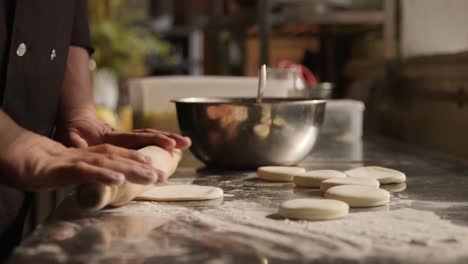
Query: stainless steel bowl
{"type": "Point", "coordinates": [238, 133]}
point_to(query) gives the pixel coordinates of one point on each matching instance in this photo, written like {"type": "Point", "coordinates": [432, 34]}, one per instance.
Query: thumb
{"type": "Point", "coordinates": [77, 141]}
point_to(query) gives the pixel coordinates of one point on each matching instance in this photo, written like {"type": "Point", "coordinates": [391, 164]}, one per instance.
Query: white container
{"type": "Point", "coordinates": [151, 97]}
{"type": "Point", "coordinates": [343, 119]}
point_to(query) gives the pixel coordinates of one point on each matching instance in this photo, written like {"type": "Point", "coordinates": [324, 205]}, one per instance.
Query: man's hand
{"type": "Point", "coordinates": [31, 162]}
{"type": "Point", "coordinates": [78, 125]}
{"type": "Point", "coordinates": [87, 130]}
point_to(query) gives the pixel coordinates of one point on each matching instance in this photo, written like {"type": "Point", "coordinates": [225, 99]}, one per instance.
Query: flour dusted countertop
{"type": "Point", "coordinates": [425, 222]}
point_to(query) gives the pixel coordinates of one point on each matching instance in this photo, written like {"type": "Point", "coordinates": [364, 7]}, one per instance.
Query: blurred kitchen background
{"type": "Point", "coordinates": [404, 61]}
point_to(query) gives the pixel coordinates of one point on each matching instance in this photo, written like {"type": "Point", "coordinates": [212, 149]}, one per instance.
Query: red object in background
{"type": "Point", "coordinates": [306, 75]}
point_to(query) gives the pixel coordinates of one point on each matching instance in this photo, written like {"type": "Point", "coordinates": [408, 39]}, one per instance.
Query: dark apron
{"type": "Point", "coordinates": [14, 206]}
{"type": "Point", "coordinates": [38, 49]}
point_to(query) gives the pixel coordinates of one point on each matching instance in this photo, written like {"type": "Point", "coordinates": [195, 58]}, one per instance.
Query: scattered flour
{"type": "Point", "coordinates": [397, 200]}
{"type": "Point", "coordinates": [408, 235]}
{"type": "Point", "coordinates": [52, 251]}
{"type": "Point", "coordinates": [401, 235]}
{"type": "Point", "coordinates": [403, 201]}
{"type": "Point", "coordinates": [396, 234]}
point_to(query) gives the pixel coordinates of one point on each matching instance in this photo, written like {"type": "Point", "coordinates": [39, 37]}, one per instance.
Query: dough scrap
{"type": "Point", "coordinates": [313, 209]}
{"type": "Point", "coordinates": [279, 173]}
{"type": "Point", "coordinates": [261, 130]}
{"type": "Point", "coordinates": [383, 175]}
{"type": "Point", "coordinates": [359, 196]}
{"type": "Point", "coordinates": [327, 184]}
{"type": "Point", "coordinates": [172, 193]}
{"type": "Point", "coordinates": [312, 179]}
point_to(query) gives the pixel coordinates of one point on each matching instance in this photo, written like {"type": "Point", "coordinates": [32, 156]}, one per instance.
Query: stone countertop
{"type": "Point", "coordinates": [426, 220]}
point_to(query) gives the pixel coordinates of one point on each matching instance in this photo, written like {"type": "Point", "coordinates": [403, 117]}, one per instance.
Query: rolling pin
{"type": "Point", "coordinates": [95, 196]}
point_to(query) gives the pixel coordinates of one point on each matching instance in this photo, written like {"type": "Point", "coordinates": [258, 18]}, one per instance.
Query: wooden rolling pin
{"type": "Point", "coordinates": [95, 196]}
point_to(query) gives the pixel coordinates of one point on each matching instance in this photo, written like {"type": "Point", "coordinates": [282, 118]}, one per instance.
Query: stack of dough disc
{"type": "Point", "coordinates": [358, 195]}
{"type": "Point", "coordinates": [279, 173]}
{"type": "Point", "coordinates": [383, 175]}
{"type": "Point", "coordinates": [394, 188]}
{"type": "Point", "coordinates": [327, 184]}
{"type": "Point", "coordinates": [313, 209]}
{"type": "Point", "coordinates": [312, 179]}
{"type": "Point", "coordinates": [354, 188]}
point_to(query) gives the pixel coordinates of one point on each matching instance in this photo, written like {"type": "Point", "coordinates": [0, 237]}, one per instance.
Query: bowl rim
{"type": "Point", "coordinates": [247, 100]}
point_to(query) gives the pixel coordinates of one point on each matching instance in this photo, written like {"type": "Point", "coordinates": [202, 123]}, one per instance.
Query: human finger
{"type": "Point", "coordinates": [133, 173]}
{"type": "Point", "coordinates": [181, 142]}
{"type": "Point", "coordinates": [122, 152]}
{"type": "Point", "coordinates": [140, 140]}
{"type": "Point", "coordinates": [83, 172]}
{"type": "Point", "coordinates": [77, 141]}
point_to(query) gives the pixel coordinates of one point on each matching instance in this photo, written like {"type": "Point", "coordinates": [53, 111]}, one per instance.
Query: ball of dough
{"type": "Point", "coordinates": [359, 196]}
{"type": "Point", "coordinates": [279, 173]}
{"type": "Point", "coordinates": [383, 175]}
{"type": "Point", "coordinates": [313, 209]}
{"type": "Point", "coordinates": [171, 193]}
{"type": "Point", "coordinates": [312, 179]}
{"type": "Point", "coordinates": [327, 184]}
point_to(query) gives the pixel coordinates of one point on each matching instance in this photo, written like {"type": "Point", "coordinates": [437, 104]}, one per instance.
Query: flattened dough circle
{"type": "Point", "coordinates": [313, 209]}
{"type": "Point", "coordinates": [327, 184]}
{"type": "Point", "coordinates": [383, 175]}
{"type": "Point", "coordinates": [312, 179]}
{"type": "Point", "coordinates": [359, 196]}
{"type": "Point", "coordinates": [278, 173]}
{"type": "Point", "coordinates": [173, 193]}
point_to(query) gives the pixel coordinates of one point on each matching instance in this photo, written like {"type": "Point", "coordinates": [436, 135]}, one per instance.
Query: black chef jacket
{"type": "Point", "coordinates": [34, 39]}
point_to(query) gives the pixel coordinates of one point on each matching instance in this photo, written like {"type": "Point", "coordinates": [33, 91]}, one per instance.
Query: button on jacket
{"type": "Point", "coordinates": [34, 39]}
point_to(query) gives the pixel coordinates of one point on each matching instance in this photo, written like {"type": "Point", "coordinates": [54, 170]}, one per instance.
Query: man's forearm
{"type": "Point", "coordinates": [9, 130]}
{"type": "Point", "coordinates": [10, 135]}
{"type": "Point", "coordinates": [76, 96]}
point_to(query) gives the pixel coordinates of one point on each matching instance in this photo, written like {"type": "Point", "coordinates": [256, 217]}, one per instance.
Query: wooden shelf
{"type": "Point", "coordinates": [331, 18]}
{"type": "Point", "coordinates": [342, 17]}
{"type": "Point", "coordinates": [266, 16]}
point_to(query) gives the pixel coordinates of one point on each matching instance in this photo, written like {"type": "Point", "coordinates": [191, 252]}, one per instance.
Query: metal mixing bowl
{"type": "Point", "coordinates": [239, 133]}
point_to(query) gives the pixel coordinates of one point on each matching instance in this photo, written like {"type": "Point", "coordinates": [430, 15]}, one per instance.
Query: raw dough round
{"type": "Point", "coordinates": [359, 196]}
{"type": "Point", "coordinates": [394, 188]}
{"type": "Point", "coordinates": [313, 209]}
{"type": "Point", "coordinates": [383, 175]}
{"type": "Point", "coordinates": [171, 193]}
{"type": "Point", "coordinates": [327, 184]}
{"type": "Point", "coordinates": [312, 179]}
{"type": "Point", "coordinates": [279, 173]}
